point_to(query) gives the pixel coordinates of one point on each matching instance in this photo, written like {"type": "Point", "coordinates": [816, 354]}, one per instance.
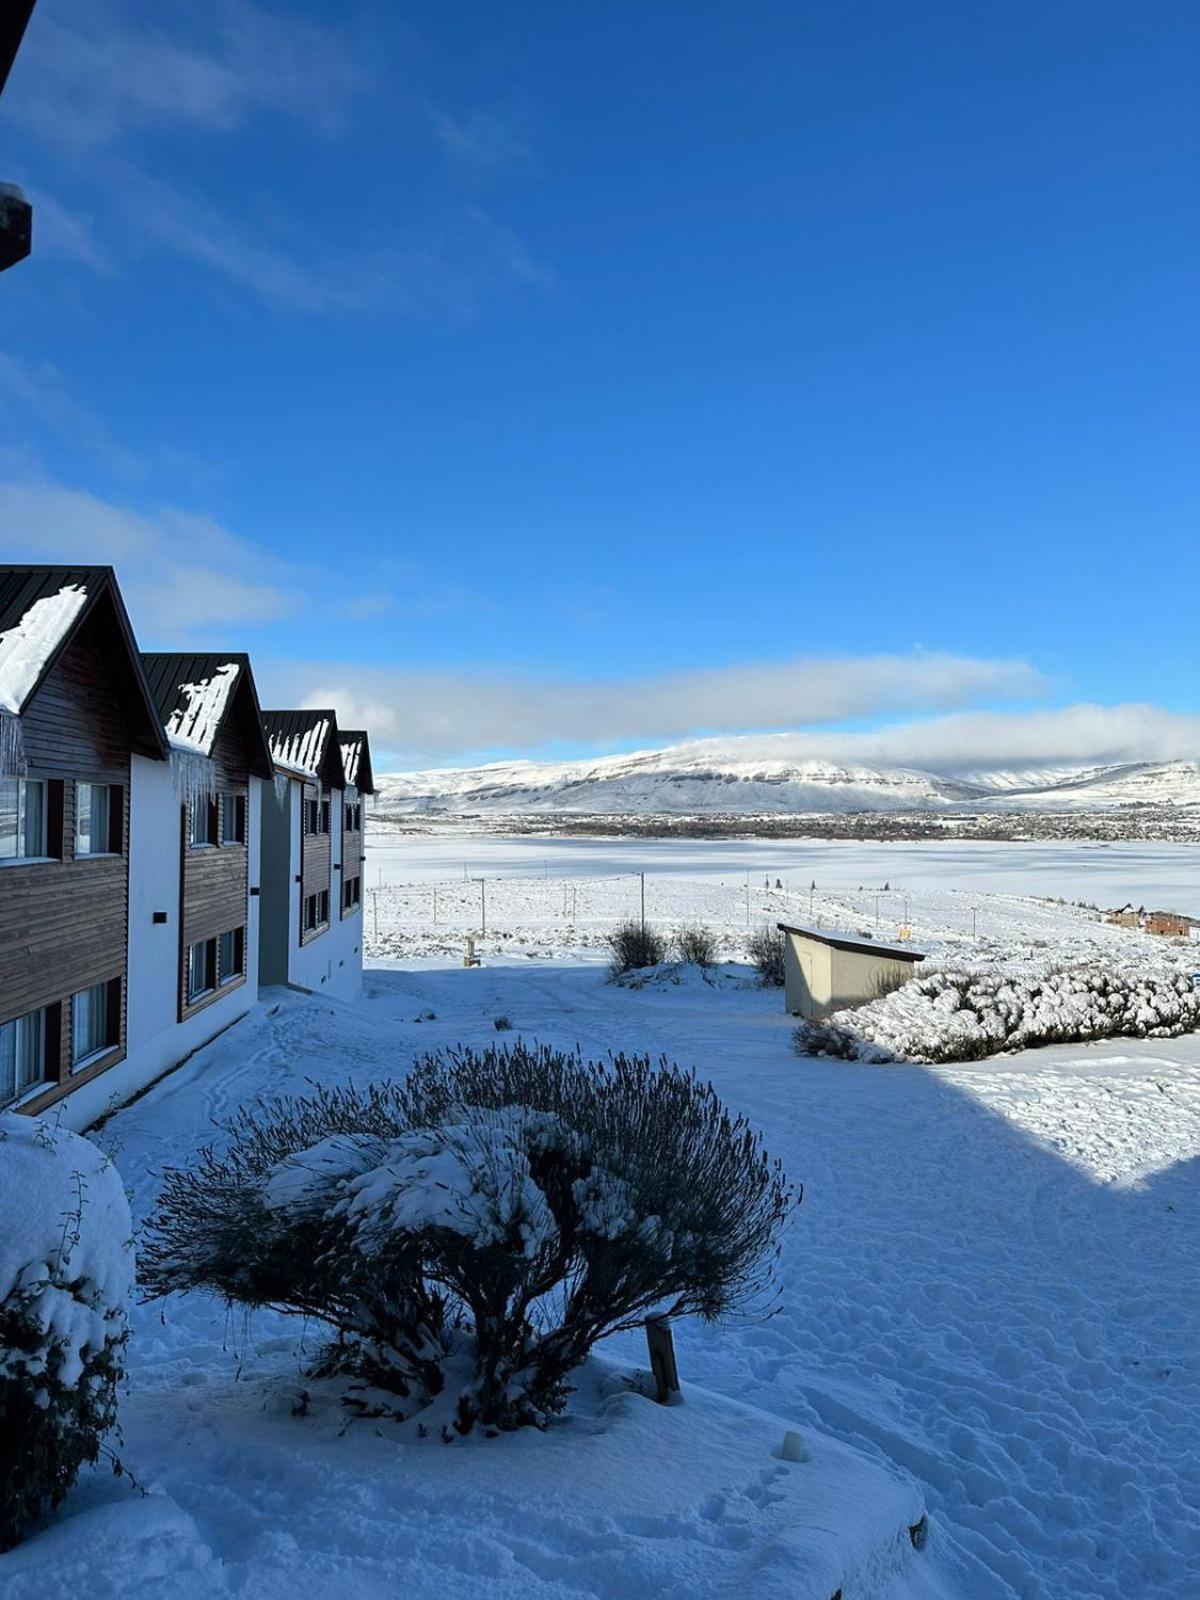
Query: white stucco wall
{"type": "Point", "coordinates": [819, 979]}
{"type": "Point", "coordinates": [155, 1040]}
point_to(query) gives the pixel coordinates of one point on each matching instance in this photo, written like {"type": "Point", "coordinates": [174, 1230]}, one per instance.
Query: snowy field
{"type": "Point", "coordinates": [960, 901]}
{"type": "Point", "coordinates": [990, 1287]}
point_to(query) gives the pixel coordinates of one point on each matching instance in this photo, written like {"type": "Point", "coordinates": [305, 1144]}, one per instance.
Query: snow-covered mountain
{"type": "Point", "coordinates": [766, 773]}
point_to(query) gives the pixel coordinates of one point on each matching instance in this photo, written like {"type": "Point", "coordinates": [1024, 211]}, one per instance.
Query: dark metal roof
{"type": "Point", "coordinates": [171, 675]}
{"type": "Point", "coordinates": [356, 758]}
{"type": "Point", "coordinates": [307, 740]}
{"type": "Point", "coordinates": [21, 587]}
{"type": "Point", "coordinates": [840, 941]}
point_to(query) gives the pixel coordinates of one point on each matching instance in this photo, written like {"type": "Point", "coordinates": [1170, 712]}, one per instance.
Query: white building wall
{"type": "Point", "coordinates": [155, 1040]}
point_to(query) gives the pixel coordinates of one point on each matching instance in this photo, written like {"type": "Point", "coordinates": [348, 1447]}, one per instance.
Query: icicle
{"type": "Point", "coordinates": [194, 775]}
{"type": "Point", "coordinates": [12, 746]}
{"type": "Point", "coordinates": [281, 786]}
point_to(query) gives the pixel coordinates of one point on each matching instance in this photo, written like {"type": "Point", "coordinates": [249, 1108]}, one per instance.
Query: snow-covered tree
{"type": "Point", "coordinates": [66, 1269]}
{"type": "Point", "coordinates": [494, 1214]}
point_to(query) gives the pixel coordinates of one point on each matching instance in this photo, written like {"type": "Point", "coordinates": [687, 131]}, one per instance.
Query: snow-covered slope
{"type": "Point", "coordinates": [768, 773]}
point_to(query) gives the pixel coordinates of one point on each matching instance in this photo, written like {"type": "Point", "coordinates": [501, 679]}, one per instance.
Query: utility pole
{"type": "Point", "coordinates": [876, 910]}
{"type": "Point", "coordinates": [483, 908]}
{"type": "Point", "coordinates": [375, 910]}
{"type": "Point", "coordinates": [973, 915]}
{"type": "Point", "coordinates": [642, 876]}
{"type": "Point", "coordinates": [747, 896]}
{"type": "Point", "coordinates": [435, 905]}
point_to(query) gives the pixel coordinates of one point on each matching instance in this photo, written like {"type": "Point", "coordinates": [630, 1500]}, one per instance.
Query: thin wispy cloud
{"type": "Point", "coordinates": [118, 76]}
{"type": "Point", "coordinates": [38, 389]}
{"type": "Point", "coordinates": [178, 571]}
{"type": "Point", "coordinates": [93, 71]}
{"type": "Point", "coordinates": [432, 716]}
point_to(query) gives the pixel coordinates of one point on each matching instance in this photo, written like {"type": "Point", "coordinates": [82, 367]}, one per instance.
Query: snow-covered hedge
{"type": "Point", "coordinates": [472, 1231]}
{"type": "Point", "coordinates": [66, 1269]}
{"type": "Point", "coordinates": [962, 1015]}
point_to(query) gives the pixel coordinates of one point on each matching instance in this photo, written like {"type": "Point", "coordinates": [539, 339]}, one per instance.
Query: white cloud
{"type": "Point", "coordinates": [177, 571]}
{"type": "Point", "coordinates": [91, 71]}
{"type": "Point", "coordinates": [41, 389]}
{"type": "Point", "coordinates": [430, 715]}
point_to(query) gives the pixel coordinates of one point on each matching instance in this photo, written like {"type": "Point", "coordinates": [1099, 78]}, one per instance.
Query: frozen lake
{"type": "Point", "coordinates": [1152, 874]}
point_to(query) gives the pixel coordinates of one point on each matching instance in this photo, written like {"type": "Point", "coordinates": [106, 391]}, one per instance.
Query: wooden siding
{"type": "Point", "coordinates": [214, 893]}
{"type": "Point", "coordinates": [64, 923]}
{"type": "Point", "coordinates": [315, 860]}
{"type": "Point", "coordinates": [352, 861]}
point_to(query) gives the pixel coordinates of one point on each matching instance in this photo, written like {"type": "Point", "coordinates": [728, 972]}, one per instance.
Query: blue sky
{"type": "Point", "coordinates": [529, 378]}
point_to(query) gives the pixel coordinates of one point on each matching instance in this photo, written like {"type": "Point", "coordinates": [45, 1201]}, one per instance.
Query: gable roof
{"type": "Point", "coordinates": [356, 759]}
{"type": "Point", "coordinates": [306, 742]}
{"type": "Point", "coordinates": [840, 941]}
{"type": "Point", "coordinates": [197, 694]}
{"type": "Point", "coordinates": [41, 610]}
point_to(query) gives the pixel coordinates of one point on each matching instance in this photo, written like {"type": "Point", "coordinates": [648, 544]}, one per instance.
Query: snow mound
{"type": "Point", "coordinates": [64, 1242]}
{"type": "Point", "coordinates": [961, 1016]}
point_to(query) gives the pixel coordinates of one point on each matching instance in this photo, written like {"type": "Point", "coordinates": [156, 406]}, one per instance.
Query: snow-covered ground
{"type": "Point", "coordinates": [990, 1291]}
{"type": "Point", "coordinates": [960, 900]}
{"type": "Point", "coordinates": [990, 1286]}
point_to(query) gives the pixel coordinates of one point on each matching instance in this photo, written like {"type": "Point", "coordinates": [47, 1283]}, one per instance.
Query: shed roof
{"type": "Point", "coordinates": [306, 741]}
{"type": "Point", "coordinates": [196, 694]}
{"type": "Point", "coordinates": [356, 759]}
{"type": "Point", "coordinates": [41, 610]}
{"type": "Point", "coordinates": [841, 941]}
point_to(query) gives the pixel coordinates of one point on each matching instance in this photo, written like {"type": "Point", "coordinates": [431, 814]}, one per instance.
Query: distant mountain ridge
{"type": "Point", "coordinates": [756, 774]}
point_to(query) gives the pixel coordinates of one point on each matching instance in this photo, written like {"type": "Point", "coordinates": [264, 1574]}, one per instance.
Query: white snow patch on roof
{"type": "Point", "coordinates": [26, 648]}
{"type": "Point", "coordinates": [301, 750]}
{"type": "Point", "coordinates": [194, 724]}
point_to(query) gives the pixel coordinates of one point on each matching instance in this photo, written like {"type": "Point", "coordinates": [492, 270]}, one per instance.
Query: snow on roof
{"type": "Point", "coordinates": [196, 720]}
{"type": "Point", "coordinates": [300, 742]}
{"type": "Point", "coordinates": [845, 941]}
{"type": "Point", "coordinates": [26, 648]}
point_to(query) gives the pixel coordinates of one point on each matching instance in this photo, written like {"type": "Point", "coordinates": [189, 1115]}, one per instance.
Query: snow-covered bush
{"type": "Point", "coordinates": [696, 945]}
{"type": "Point", "coordinates": [765, 947]}
{"type": "Point", "coordinates": [490, 1217]}
{"type": "Point", "coordinates": [66, 1268]}
{"type": "Point", "coordinates": [633, 945]}
{"type": "Point", "coordinates": [964, 1015]}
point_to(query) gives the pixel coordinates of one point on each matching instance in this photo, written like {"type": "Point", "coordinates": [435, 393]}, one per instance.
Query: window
{"type": "Point", "coordinates": [201, 969]}
{"type": "Point", "coordinates": [324, 825]}
{"type": "Point", "coordinates": [233, 819]}
{"type": "Point", "coordinates": [231, 955]}
{"type": "Point", "coordinates": [351, 893]}
{"type": "Point", "coordinates": [22, 819]}
{"type": "Point", "coordinates": [97, 819]}
{"type": "Point", "coordinates": [95, 1021]}
{"type": "Point", "coordinates": [202, 824]}
{"type": "Point", "coordinates": [316, 911]}
{"type": "Point", "coordinates": [22, 1055]}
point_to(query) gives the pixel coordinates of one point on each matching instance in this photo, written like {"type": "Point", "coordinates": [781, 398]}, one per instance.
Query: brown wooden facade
{"type": "Point", "coordinates": [352, 858]}
{"type": "Point", "coordinates": [64, 921]}
{"type": "Point", "coordinates": [315, 856]}
{"type": "Point", "coordinates": [214, 882]}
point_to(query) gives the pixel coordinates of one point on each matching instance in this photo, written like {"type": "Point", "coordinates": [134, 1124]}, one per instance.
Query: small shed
{"type": "Point", "coordinates": [824, 972]}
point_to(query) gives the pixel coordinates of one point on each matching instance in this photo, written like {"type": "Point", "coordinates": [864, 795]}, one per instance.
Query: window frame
{"type": "Point", "coordinates": [208, 810]}
{"type": "Point", "coordinates": [23, 1088]}
{"type": "Point", "coordinates": [194, 997]}
{"type": "Point", "coordinates": [238, 935]}
{"type": "Point", "coordinates": [24, 856]}
{"type": "Point", "coordinates": [114, 819]}
{"type": "Point", "coordinates": [109, 1006]}
{"type": "Point", "coordinates": [233, 803]}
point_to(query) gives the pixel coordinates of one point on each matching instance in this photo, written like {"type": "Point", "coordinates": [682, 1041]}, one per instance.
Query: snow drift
{"type": "Point", "coordinates": [961, 1016]}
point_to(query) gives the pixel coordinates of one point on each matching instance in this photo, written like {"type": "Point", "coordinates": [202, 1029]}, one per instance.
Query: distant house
{"type": "Point", "coordinates": [311, 924]}
{"type": "Point", "coordinates": [1124, 917]}
{"type": "Point", "coordinates": [826, 972]}
{"type": "Point", "coordinates": [1168, 924]}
